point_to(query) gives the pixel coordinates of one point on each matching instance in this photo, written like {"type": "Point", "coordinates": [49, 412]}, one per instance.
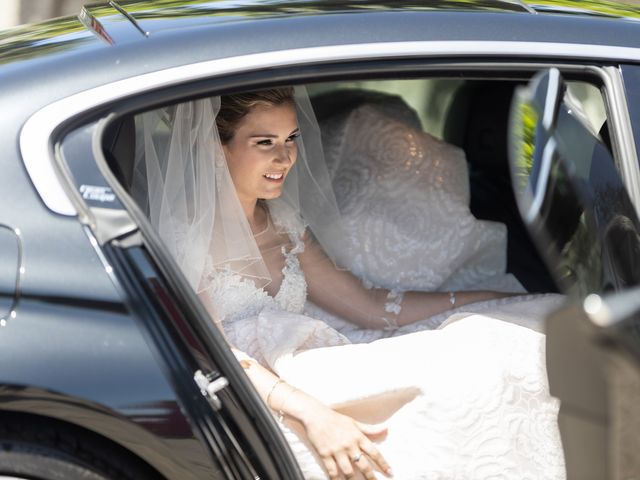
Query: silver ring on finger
{"type": "Point", "coordinates": [356, 457]}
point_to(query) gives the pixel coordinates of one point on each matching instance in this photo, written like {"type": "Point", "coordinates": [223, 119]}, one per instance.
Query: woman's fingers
{"type": "Point", "coordinates": [344, 464]}
{"type": "Point", "coordinates": [331, 467]}
{"type": "Point", "coordinates": [362, 463]}
{"type": "Point", "coordinates": [376, 457]}
{"type": "Point", "coordinates": [367, 446]}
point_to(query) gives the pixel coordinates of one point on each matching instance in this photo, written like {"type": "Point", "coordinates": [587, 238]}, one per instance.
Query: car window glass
{"type": "Point", "coordinates": [631, 78]}
{"type": "Point", "coordinates": [468, 114]}
{"type": "Point", "coordinates": [430, 98]}
{"type": "Point", "coordinates": [588, 98]}
{"type": "Point", "coordinates": [75, 149]}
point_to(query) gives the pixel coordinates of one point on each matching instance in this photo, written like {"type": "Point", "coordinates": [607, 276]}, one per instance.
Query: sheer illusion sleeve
{"type": "Point", "coordinates": [343, 294]}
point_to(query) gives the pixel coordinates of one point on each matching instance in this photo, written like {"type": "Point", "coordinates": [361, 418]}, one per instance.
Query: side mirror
{"type": "Point", "coordinates": [570, 193]}
{"type": "Point", "coordinates": [531, 144]}
{"type": "Point", "coordinates": [580, 217]}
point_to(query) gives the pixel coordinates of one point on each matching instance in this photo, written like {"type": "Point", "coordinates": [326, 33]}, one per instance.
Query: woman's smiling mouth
{"type": "Point", "coordinates": [274, 176]}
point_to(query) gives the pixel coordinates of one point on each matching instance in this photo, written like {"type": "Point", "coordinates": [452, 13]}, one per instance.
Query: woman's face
{"type": "Point", "coordinates": [262, 151]}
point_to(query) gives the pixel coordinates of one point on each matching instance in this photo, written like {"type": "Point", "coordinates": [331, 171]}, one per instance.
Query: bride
{"type": "Point", "coordinates": [240, 194]}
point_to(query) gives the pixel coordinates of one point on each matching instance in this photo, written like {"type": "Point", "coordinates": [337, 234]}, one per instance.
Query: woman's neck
{"type": "Point", "coordinates": [256, 215]}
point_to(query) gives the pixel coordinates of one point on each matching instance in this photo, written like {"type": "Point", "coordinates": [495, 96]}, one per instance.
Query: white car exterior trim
{"type": "Point", "coordinates": [35, 137]}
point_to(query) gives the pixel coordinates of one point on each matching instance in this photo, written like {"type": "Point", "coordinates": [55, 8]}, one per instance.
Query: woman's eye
{"type": "Point", "coordinates": [293, 137]}
{"type": "Point", "coordinates": [264, 142]}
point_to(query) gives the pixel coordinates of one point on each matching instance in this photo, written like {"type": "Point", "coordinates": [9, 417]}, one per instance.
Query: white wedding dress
{"type": "Point", "coordinates": [467, 401]}
{"type": "Point", "coordinates": [465, 393]}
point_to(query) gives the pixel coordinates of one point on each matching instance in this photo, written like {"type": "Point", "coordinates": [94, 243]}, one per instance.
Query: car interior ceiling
{"type": "Point", "coordinates": [476, 122]}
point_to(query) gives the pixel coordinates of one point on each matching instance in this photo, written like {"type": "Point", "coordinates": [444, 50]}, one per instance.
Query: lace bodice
{"type": "Point", "coordinates": [236, 297]}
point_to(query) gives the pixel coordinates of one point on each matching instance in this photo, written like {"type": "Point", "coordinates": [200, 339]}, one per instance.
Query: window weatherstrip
{"type": "Point", "coordinates": [35, 137]}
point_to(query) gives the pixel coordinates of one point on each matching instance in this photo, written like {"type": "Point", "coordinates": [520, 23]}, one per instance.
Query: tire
{"type": "Point", "coordinates": [37, 448]}
{"type": "Point", "coordinates": [37, 462]}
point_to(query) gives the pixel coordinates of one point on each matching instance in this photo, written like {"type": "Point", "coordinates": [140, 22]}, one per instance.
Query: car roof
{"type": "Point", "coordinates": [159, 14]}
{"type": "Point", "coordinates": [129, 21]}
{"type": "Point", "coordinates": [109, 41]}
{"type": "Point", "coordinates": [123, 22]}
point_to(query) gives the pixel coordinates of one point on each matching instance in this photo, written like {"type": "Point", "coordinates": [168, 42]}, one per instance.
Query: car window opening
{"type": "Point", "coordinates": [421, 180]}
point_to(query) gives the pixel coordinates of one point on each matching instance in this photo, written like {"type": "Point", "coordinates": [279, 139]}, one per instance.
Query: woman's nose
{"type": "Point", "coordinates": [284, 155]}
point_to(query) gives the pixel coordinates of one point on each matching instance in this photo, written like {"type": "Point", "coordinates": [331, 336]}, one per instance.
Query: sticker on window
{"type": "Point", "coordinates": [97, 194]}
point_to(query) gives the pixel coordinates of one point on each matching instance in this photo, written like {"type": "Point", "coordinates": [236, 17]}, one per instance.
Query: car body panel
{"type": "Point", "coordinates": [69, 309]}
{"type": "Point", "coordinates": [60, 75]}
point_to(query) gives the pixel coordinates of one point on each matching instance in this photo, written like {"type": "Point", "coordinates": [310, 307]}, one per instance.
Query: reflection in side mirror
{"type": "Point", "coordinates": [569, 192]}
{"type": "Point", "coordinates": [531, 143]}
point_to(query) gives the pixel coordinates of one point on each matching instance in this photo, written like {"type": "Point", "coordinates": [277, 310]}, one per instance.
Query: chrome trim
{"type": "Point", "coordinates": [11, 312]}
{"type": "Point", "coordinates": [543, 180]}
{"type": "Point", "coordinates": [629, 169]}
{"type": "Point", "coordinates": [612, 309]}
{"type": "Point", "coordinates": [553, 87]}
{"type": "Point", "coordinates": [36, 133]}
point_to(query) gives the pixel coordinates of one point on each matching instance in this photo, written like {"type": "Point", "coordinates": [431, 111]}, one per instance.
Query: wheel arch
{"type": "Point", "coordinates": [27, 407]}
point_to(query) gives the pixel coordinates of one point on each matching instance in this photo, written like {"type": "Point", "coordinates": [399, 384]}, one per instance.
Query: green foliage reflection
{"type": "Point", "coordinates": [606, 7]}
{"type": "Point", "coordinates": [524, 133]}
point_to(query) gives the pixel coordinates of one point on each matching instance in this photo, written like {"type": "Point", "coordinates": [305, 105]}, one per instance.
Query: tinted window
{"type": "Point", "coordinates": [631, 77]}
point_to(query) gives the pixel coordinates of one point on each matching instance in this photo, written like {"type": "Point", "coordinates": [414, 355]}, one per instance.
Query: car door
{"type": "Point", "coordinates": [225, 411]}
{"type": "Point", "coordinates": [577, 209]}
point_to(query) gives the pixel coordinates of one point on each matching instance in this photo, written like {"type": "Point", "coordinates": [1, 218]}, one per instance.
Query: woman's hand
{"type": "Point", "coordinates": [344, 444]}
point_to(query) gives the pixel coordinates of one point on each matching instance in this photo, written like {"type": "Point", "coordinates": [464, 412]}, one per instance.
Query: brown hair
{"type": "Point", "coordinates": [234, 107]}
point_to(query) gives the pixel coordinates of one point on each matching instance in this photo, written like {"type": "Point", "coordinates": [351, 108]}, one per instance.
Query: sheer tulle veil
{"type": "Point", "coordinates": [181, 180]}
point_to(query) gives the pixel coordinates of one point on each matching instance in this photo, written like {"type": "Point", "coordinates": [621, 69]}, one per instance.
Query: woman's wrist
{"type": "Point", "coordinates": [297, 404]}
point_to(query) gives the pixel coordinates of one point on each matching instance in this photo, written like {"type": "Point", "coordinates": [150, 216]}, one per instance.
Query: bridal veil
{"type": "Point", "coordinates": [181, 180]}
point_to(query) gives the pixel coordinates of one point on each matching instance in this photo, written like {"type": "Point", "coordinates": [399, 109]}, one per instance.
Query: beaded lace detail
{"type": "Point", "coordinates": [236, 297]}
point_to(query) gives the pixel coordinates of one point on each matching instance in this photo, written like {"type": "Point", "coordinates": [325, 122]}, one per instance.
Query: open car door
{"type": "Point", "coordinates": [579, 214]}
{"type": "Point", "coordinates": [225, 412]}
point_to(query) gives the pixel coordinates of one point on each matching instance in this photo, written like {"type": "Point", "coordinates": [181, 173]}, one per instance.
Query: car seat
{"type": "Point", "coordinates": [477, 122]}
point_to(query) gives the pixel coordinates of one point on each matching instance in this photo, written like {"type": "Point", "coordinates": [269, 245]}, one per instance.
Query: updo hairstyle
{"type": "Point", "coordinates": [234, 107]}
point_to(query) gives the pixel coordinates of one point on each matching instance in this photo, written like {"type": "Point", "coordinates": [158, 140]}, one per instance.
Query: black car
{"type": "Point", "coordinates": [109, 365]}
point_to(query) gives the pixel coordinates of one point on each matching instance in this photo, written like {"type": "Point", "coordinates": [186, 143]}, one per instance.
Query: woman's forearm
{"type": "Point", "coordinates": [382, 309]}
{"type": "Point", "coordinates": [277, 394]}
{"type": "Point", "coordinates": [417, 306]}
{"type": "Point", "coordinates": [344, 295]}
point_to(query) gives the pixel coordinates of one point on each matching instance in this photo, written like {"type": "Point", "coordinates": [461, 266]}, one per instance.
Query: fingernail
{"type": "Point", "coordinates": [389, 472]}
